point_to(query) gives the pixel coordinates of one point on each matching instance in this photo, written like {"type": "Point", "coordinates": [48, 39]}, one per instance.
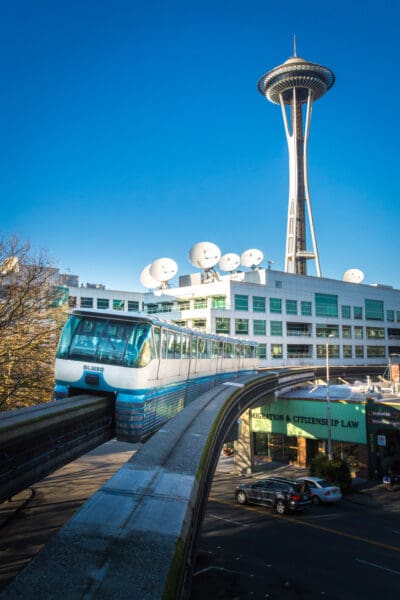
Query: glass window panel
{"type": "Point", "coordinates": [326, 305]}
{"type": "Point", "coordinates": [222, 325]}
{"type": "Point", "coordinates": [242, 326]}
{"type": "Point", "coordinates": [376, 351]}
{"type": "Point", "coordinates": [218, 302]}
{"type": "Point", "coordinates": [262, 350]}
{"type": "Point", "coordinates": [374, 310]}
{"type": "Point", "coordinates": [357, 312]}
{"type": "Point", "coordinates": [276, 351]}
{"type": "Point", "coordinates": [200, 303]}
{"type": "Point", "coordinates": [275, 305]}
{"type": "Point", "coordinates": [327, 331]}
{"type": "Point", "coordinates": [118, 304]}
{"type": "Point", "coordinates": [86, 302]}
{"type": "Point", "coordinates": [291, 307]}
{"type": "Point", "coordinates": [390, 315]}
{"type": "Point", "coordinates": [103, 303]}
{"type": "Point", "coordinates": [375, 332]}
{"type": "Point", "coordinates": [359, 351]}
{"type": "Point", "coordinates": [347, 351]}
{"type": "Point", "coordinates": [133, 305]}
{"type": "Point", "coordinates": [358, 332]}
{"type": "Point", "coordinates": [306, 308]}
{"type": "Point", "coordinates": [259, 327]}
{"type": "Point", "coordinates": [276, 327]}
{"type": "Point", "coordinates": [346, 331]}
{"type": "Point", "coordinates": [258, 304]}
{"type": "Point", "coordinates": [241, 302]}
{"type": "Point", "coordinates": [346, 311]}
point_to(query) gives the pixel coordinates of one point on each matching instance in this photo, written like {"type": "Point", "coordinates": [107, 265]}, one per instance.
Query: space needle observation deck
{"type": "Point", "coordinates": [295, 85]}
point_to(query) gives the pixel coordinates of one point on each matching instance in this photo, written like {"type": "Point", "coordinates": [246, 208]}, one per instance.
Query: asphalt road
{"type": "Point", "coordinates": [342, 552]}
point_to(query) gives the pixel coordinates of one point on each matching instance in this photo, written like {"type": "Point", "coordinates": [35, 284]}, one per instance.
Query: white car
{"type": "Point", "coordinates": [322, 491]}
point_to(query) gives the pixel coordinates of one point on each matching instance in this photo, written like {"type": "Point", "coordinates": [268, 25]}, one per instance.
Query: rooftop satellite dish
{"type": "Point", "coordinates": [353, 276]}
{"type": "Point", "coordinates": [251, 258]}
{"type": "Point", "coordinates": [229, 262]}
{"type": "Point", "coordinates": [204, 255]}
{"type": "Point", "coordinates": [163, 269]}
{"type": "Point", "coordinates": [9, 265]}
{"type": "Point", "coordinates": [147, 280]}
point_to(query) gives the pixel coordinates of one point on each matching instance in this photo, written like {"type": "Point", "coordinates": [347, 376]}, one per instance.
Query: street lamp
{"type": "Point", "coordinates": [328, 399]}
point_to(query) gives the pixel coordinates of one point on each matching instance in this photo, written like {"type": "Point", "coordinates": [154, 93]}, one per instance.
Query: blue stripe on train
{"type": "Point", "coordinates": [141, 413]}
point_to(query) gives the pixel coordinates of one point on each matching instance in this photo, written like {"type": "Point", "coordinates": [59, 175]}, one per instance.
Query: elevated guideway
{"type": "Point", "coordinates": [136, 537]}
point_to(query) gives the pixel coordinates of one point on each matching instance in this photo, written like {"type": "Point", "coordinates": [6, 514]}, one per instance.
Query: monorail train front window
{"type": "Point", "coordinates": [111, 342]}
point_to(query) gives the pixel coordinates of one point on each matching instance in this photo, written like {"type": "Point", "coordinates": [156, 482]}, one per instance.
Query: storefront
{"type": "Point", "coordinates": [383, 432]}
{"type": "Point", "coordinates": [296, 430]}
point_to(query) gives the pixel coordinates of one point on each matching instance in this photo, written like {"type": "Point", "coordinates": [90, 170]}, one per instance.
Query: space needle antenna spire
{"type": "Point", "coordinates": [295, 85]}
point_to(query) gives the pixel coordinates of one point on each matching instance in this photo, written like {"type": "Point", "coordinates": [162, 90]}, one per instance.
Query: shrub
{"type": "Point", "coordinates": [335, 471]}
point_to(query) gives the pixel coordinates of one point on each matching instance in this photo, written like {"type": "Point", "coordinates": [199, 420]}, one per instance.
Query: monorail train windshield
{"type": "Point", "coordinates": [107, 341]}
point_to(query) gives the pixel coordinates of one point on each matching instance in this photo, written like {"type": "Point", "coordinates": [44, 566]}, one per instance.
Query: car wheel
{"type": "Point", "coordinates": [241, 497]}
{"type": "Point", "coordinates": [280, 507]}
{"type": "Point", "coordinates": [316, 500]}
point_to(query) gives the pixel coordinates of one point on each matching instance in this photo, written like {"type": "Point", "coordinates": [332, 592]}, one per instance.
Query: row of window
{"type": "Point", "coordinates": [104, 303]}
{"type": "Point", "coordinates": [326, 305]}
{"type": "Point", "coordinates": [241, 326]}
{"type": "Point", "coordinates": [276, 351]}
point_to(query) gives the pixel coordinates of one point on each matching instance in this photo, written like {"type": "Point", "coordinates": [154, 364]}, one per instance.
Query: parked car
{"type": "Point", "coordinates": [285, 495]}
{"type": "Point", "coordinates": [322, 491]}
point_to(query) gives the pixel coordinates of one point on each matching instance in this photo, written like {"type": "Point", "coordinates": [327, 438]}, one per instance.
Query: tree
{"type": "Point", "coordinates": [32, 312]}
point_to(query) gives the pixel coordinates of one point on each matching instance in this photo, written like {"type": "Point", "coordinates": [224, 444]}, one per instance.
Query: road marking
{"type": "Point", "coordinates": [292, 519]}
{"type": "Point", "coordinates": [365, 562]}
{"type": "Point", "coordinates": [229, 521]}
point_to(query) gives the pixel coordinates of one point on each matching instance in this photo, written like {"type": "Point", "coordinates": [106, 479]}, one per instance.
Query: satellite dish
{"type": "Point", "coordinates": [353, 276]}
{"type": "Point", "coordinates": [147, 280]}
{"type": "Point", "coordinates": [163, 269]}
{"type": "Point", "coordinates": [229, 262]}
{"type": "Point", "coordinates": [251, 258]}
{"type": "Point", "coordinates": [204, 255]}
{"type": "Point", "coordinates": [9, 265]}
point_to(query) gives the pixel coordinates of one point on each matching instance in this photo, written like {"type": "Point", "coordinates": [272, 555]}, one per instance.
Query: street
{"type": "Point", "coordinates": [342, 552]}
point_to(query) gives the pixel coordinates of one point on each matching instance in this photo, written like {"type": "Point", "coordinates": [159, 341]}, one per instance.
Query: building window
{"type": "Point", "coordinates": [393, 333]}
{"type": "Point", "coordinates": [346, 331]}
{"type": "Point", "coordinates": [72, 301]}
{"type": "Point", "coordinates": [276, 351]}
{"type": "Point", "coordinates": [200, 303]}
{"type": "Point", "coordinates": [133, 305]}
{"type": "Point", "coordinates": [199, 324]}
{"type": "Point", "coordinates": [276, 327]}
{"type": "Point", "coordinates": [374, 333]}
{"type": "Point", "coordinates": [359, 351]}
{"type": "Point", "coordinates": [259, 327]}
{"type": "Point", "coordinates": [103, 303]}
{"type": "Point", "coordinates": [152, 309]}
{"type": "Point", "coordinates": [299, 351]}
{"type": "Point", "coordinates": [218, 302]}
{"type": "Point", "coordinates": [86, 302]}
{"type": "Point", "coordinates": [333, 350]}
{"type": "Point", "coordinates": [242, 326]}
{"type": "Point", "coordinates": [326, 331]}
{"type": "Point", "coordinates": [326, 305]}
{"type": "Point", "coordinates": [306, 310]}
{"type": "Point", "coordinates": [222, 325]}
{"type": "Point", "coordinates": [398, 316]}
{"type": "Point", "coordinates": [278, 284]}
{"type": "Point", "coordinates": [376, 351]}
{"type": "Point", "coordinates": [241, 302]}
{"type": "Point", "coordinates": [291, 307]}
{"type": "Point", "coordinates": [357, 312]}
{"type": "Point", "coordinates": [275, 305]}
{"type": "Point", "coordinates": [299, 329]}
{"type": "Point", "coordinates": [346, 311]}
{"type": "Point", "coordinates": [183, 305]}
{"type": "Point", "coordinates": [118, 304]}
{"type": "Point", "coordinates": [258, 304]}
{"type": "Point", "coordinates": [347, 351]}
{"type": "Point", "coordinates": [374, 310]}
{"type": "Point", "coordinates": [262, 350]}
{"type": "Point", "coordinates": [390, 315]}
{"type": "Point", "coordinates": [358, 332]}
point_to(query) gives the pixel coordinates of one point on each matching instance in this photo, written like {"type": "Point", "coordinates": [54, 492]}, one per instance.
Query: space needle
{"type": "Point", "coordinates": [295, 85]}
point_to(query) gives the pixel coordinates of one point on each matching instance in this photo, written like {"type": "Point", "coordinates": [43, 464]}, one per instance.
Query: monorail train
{"type": "Point", "coordinates": [154, 368]}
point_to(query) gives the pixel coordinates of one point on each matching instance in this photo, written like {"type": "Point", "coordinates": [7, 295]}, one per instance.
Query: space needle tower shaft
{"type": "Point", "coordinates": [294, 86]}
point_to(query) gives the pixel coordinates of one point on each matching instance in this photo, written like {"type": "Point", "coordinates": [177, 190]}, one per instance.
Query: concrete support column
{"type": "Point", "coordinates": [301, 451]}
{"type": "Point", "coordinates": [243, 447]}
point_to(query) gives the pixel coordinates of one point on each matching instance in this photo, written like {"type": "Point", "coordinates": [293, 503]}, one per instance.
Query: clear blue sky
{"type": "Point", "coordinates": [132, 129]}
